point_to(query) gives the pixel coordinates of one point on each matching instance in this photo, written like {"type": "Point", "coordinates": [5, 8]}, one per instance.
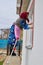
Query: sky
{"type": "Point", "coordinates": [7, 13]}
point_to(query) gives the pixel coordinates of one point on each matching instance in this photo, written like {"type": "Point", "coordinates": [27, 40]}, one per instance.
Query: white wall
{"type": "Point", "coordinates": [35, 56]}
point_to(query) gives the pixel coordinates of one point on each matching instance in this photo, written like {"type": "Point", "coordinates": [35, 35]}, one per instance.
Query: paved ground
{"type": "Point", "coordinates": [9, 60]}
{"type": "Point", "coordinates": [2, 54]}
{"type": "Point", "coordinates": [12, 60]}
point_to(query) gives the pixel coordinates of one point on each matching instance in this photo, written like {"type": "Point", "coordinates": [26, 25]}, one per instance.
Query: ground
{"type": "Point", "coordinates": [2, 56]}
{"type": "Point", "coordinates": [4, 59]}
{"type": "Point", "coordinates": [15, 60]}
{"type": "Point", "coordinates": [1, 62]}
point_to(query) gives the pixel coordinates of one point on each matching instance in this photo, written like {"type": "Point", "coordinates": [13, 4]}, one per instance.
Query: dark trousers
{"type": "Point", "coordinates": [9, 49]}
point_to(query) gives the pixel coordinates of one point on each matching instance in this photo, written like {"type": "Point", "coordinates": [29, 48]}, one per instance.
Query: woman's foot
{"type": "Point", "coordinates": [13, 54]}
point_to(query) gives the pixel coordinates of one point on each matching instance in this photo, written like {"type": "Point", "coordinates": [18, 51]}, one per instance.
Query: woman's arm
{"type": "Point", "coordinates": [30, 23]}
{"type": "Point", "coordinates": [31, 27]}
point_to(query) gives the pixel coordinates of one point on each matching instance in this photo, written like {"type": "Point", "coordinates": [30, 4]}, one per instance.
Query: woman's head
{"type": "Point", "coordinates": [24, 15]}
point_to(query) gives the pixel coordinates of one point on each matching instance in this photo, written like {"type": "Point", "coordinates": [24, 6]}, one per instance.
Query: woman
{"type": "Point", "coordinates": [16, 28]}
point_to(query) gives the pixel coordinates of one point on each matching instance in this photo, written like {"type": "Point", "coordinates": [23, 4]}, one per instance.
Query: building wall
{"type": "Point", "coordinates": [25, 4]}
{"type": "Point", "coordinates": [4, 33]}
{"type": "Point", "coordinates": [22, 5]}
{"type": "Point", "coordinates": [35, 56]}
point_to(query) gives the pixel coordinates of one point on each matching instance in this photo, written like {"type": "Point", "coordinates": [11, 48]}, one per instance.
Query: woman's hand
{"type": "Point", "coordinates": [30, 23]}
